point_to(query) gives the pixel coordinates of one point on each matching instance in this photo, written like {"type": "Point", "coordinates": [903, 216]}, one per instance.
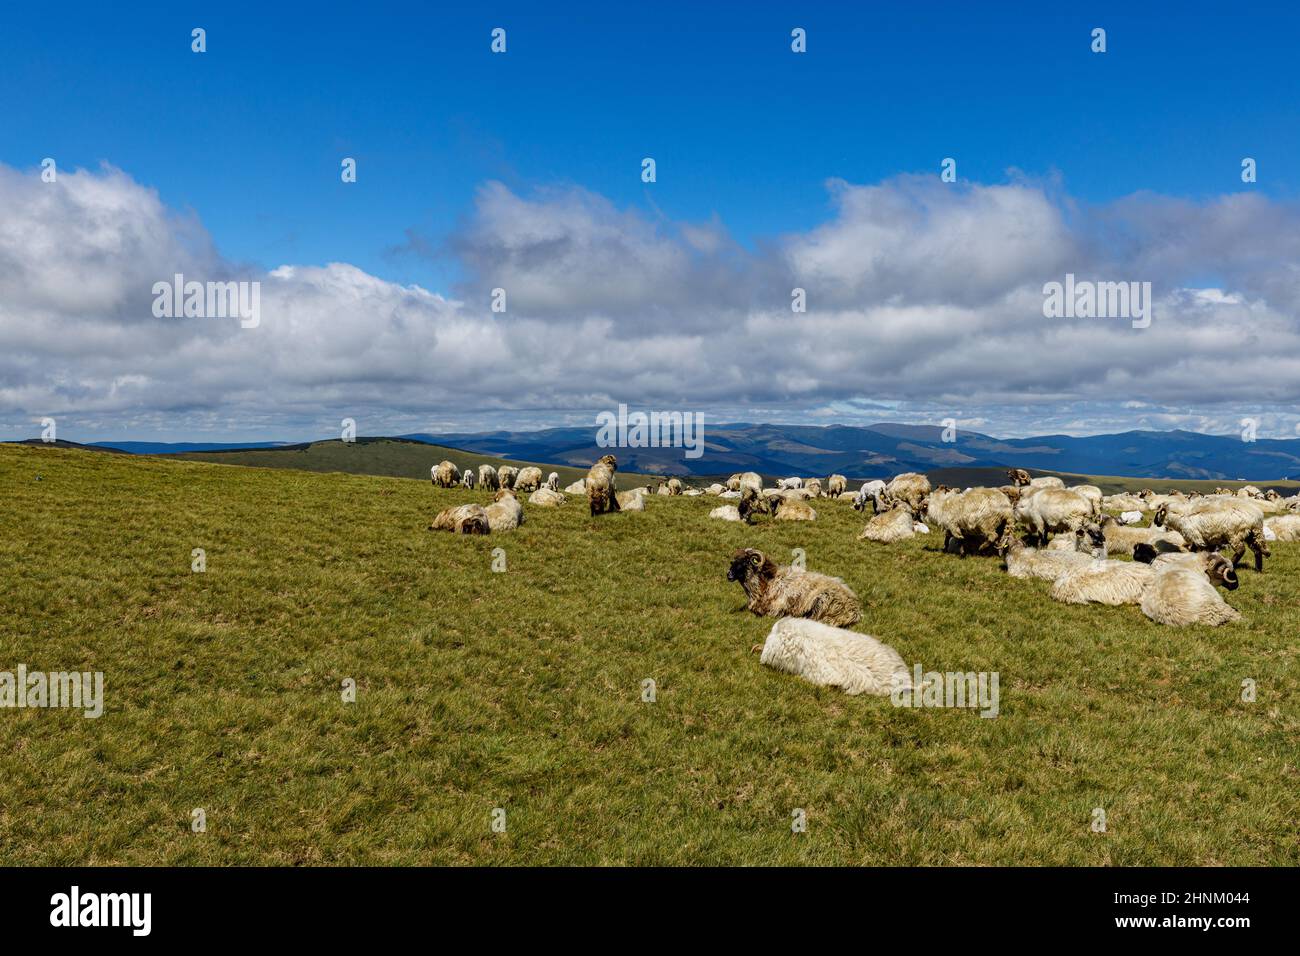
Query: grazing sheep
{"type": "Point", "coordinates": [836, 485]}
{"type": "Point", "coordinates": [444, 475]}
{"type": "Point", "coordinates": [814, 487]}
{"type": "Point", "coordinates": [547, 498]}
{"type": "Point", "coordinates": [674, 486]}
{"type": "Point", "coordinates": [602, 487]}
{"type": "Point", "coordinates": [725, 513]}
{"type": "Point", "coordinates": [462, 519]}
{"type": "Point", "coordinates": [505, 513]}
{"type": "Point", "coordinates": [1212, 524]}
{"type": "Point", "coordinates": [579, 487]}
{"type": "Point", "coordinates": [633, 500]}
{"type": "Point", "coordinates": [1022, 562]}
{"type": "Point", "coordinates": [973, 519]}
{"type": "Point", "coordinates": [871, 491]}
{"type": "Point", "coordinates": [528, 479]}
{"type": "Point", "coordinates": [1179, 596]}
{"type": "Point", "coordinates": [487, 478]}
{"type": "Point", "coordinates": [553, 481]}
{"type": "Point", "coordinates": [506, 476]}
{"type": "Point", "coordinates": [468, 479]}
{"type": "Point", "coordinates": [1103, 582]}
{"type": "Point", "coordinates": [754, 503]}
{"type": "Point", "coordinates": [890, 526]}
{"type": "Point", "coordinates": [910, 489]}
{"type": "Point", "coordinates": [834, 657]}
{"type": "Point", "coordinates": [1049, 511]}
{"type": "Point", "coordinates": [790, 483]}
{"type": "Point", "coordinates": [1284, 527]}
{"type": "Point", "coordinates": [783, 591]}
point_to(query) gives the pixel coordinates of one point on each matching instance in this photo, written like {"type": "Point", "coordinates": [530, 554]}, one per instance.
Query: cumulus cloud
{"type": "Point", "coordinates": [924, 296]}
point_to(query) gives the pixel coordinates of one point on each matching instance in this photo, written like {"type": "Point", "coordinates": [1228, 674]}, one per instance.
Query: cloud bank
{"type": "Point", "coordinates": [924, 300]}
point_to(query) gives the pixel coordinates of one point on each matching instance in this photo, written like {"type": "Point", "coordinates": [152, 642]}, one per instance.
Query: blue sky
{"type": "Point", "coordinates": [250, 135]}
{"type": "Point", "coordinates": [774, 169]}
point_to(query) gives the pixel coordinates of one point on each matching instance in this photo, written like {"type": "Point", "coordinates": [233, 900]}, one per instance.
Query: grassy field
{"type": "Point", "coordinates": [521, 690]}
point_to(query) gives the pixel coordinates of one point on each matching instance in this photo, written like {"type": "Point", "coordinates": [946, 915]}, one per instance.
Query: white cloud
{"type": "Point", "coordinates": [923, 297]}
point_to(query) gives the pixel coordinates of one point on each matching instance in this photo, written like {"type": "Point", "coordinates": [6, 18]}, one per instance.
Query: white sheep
{"type": "Point", "coordinates": [1049, 511]}
{"type": "Point", "coordinates": [1179, 596]}
{"type": "Point", "coordinates": [1103, 582]}
{"type": "Point", "coordinates": [505, 513]}
{"type": "Point", "coordinates": [445, 474]}
{"type": "Point", "coordinates": [1284, 527]}
{"type": "Point", "coordinates": [547, 497]}
{"type": "Point", "coordinates": [871, 491]}
{"type": "Point", "coordinates": [1211, 524]}
{"type": "Point", "coordinates": [972, 520]}
{"type": "Point", "coordinates": [1022, 562]}
{"type": "Point", "coordinates": [528, 479]}
{"type": "Point", "coordinates": [835, 485]}
{"type": "Point", "coordinates": [487, 478]}
{"type": "Point", "coordinates": [468, 479]}
{"type": "Point", "coordinates": [834, 657]}
{"type": "Point", "coordinates": [890, 526]}
{"type": "Point", "coordinates": [790, 483]}
{"type": "Point", "coordinates": [553, 481]}
{"type": "Point", "coordinates": [725, 513]}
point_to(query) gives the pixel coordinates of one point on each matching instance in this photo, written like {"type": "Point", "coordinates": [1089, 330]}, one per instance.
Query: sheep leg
{"type": "Point", "coordinates": [1260, 547]}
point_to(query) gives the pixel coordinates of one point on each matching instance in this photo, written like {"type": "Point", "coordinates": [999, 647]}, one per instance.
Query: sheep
{"type": "Point", "coordinates": [725, 513]}
{"type": "Point", "coordinates": [1103, 582]}
{"type": "Point", "coordinates": [1122, 539]}
{"type": "Point", "coordinates": [790, 483]}
{"type": "Point", "coordinates": [553, 481]}
{"type": "Point", "coordinates": [1047, 481]}
{"type": "Point", "coordinates": [743, 479]}
{"type": "Point", "coordinates": [910, 489]}
{"type": "Point", "coordinates": [1181, 595]}
{"type": "Point", "coordinates": [1092, 493]}
{"type": "Point", "coordinates": [528, 479]}
{"type": "Point", "coordinates": [834, 657]}
{"type": "Point", "coordinates": [716, 489]}
{"type": "Point", "coordinates": [1213, 565]}
{"type": "Point", "coordinates": [1284, 527]}
{"type": "Point", "coordinates": [891, 526]}
{"type": "Point", "coordinates": [1020, 478]}
{"type": "Point", "coordinates": [547, 497]}
{"type": "Point", "coordinates": [487, 478]}
{"type": "Point", "coordinates": [836, 485]}
{"type": "Point", "coordinates": [793, 509]}
{"type": "Point", "coordinates": [974, 519]}
{"type": "Point", "coordinates": [444, 475]}
{"type": "Point", "coordinates": [468, 479]}
{"type": "Point", "coordinates": [633, 500]}
{"type": "Point", "coordinates": [674, 486]}
{"type": "Point", "coordinates": [602, 487]}
{"type": "Point", "coordinates": [1049, 511]}
{"type": "Point", "coordinates": [506, 476]}
{"type": "Point", "coordinates": [462, 519]}
{"type": "Point", "coordinates": [1022, 562]}
{"type": "Point", "coordinates": [1130, 517]}
{"type": "Point", "coordinates": [871, 491]}
{"type": "Point", "coordinates": [733, 483]}
{"type": "Point", "coordinates": [1123, 502]}
{"type": "Point", "coordinates": [754, 503]}
{"type": "Point", "coordinates": [814, 487]}
{"type": "Point", "coordinates": [579, 487]}
{"type": "Point", "coordinates": [783, 591]}
{"type": "Point", "coordinates": [1216, 523]}
{"type": "Point", "coordinates": [505, 513]}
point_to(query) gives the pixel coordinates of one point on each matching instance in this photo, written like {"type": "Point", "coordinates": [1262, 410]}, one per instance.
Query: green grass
{"type": "Point", "coordinates": [522, 690]}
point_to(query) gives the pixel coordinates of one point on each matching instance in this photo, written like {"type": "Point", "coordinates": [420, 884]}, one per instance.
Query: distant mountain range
{"type": "Point", "coordinates": [872, 451]}
{"type": "Point", "coordinates": [876, 451]}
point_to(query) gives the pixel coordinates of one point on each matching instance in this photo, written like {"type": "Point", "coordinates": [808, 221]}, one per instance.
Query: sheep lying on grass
{"type": "Point", "coordinates": [1284, 527]}
{"type": "Point", "coordinates": [1103, 582]}
{"type": "Point", "coordinates": [444, 475]}
{"type": "Point", "coordinates": [1212, 524]}
{"type": "Point", "coordinates": [505, 513]}
{"type": "Point", "coordinates": [897, 524]}
{"type": "Point", "coordinates": [633, 500]}
{"type": "Point", "coordinates": [783, 591]}
{"type": "Point", "coordinates": [1122, 539]}
{"type": "Point", "coordinates": [547, 498]}
{"type": "Point", "coordinates": [1023, 562]}
{"type": "Point", "coordinates": [602, 488]}
{"type": "Point", "coordinates": [725, 513]}
{"type": "Point", "coordinates": [579, 487]}
{"type": "Point", "coordinates": [462, 519]}
{"type": "Point", "coordinates": [1179, 596]}
{"type": "Point", "coordinates": [833, 657]}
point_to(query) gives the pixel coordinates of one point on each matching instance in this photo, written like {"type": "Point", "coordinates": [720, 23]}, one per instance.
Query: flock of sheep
{"type": "Point", "coordinates": [1037, 526]}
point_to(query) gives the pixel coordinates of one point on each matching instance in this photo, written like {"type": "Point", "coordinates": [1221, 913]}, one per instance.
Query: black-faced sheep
{"type": "Point", "coordinates": [444, 475]}
{"type": "Point", "coordinates": [783, 591]}
{"type": "Point", "coordinates": [602, 488]}
{"type": "Point", "coordinates": [462, 519]}
{"type": "Point", "coordinates": [468, 479]}
{"type": "Point", "coordinates": [1212, 524]}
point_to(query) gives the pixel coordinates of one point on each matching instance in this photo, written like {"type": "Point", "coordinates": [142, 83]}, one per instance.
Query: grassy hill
{"type": "Point", "coordinates": [522, 690]}
{"type": "Point", "coordinates": [391, 457]}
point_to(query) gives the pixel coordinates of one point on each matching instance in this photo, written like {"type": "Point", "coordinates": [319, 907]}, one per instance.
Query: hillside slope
{"type": "Point", "coordinates": [523, 690]}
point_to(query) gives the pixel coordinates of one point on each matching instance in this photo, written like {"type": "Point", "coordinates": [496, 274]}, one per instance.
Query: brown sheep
{"type": "Point", "coordinates": [462, 519]}
{"type": "Point", "coordinates": [783, 591]}
{"type": "Point", "coordinates": [602, 488]}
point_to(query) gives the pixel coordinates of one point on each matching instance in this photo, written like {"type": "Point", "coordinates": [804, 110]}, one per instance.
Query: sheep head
{"type": "Point", "coordinates": [1161, 514]}
{"type": "Point", "coordinates": [609, 460]}
{"type": "Point", "coordinates": [1145, 553]}
{"type": "Point", "coordinates": [1220, 571]}
{"type": "Point", "coordinates": [749, 563]}
{"type": "Point", "coordinates": [1017, 476]}
{"type": "Point", "coordinates": [1091, 538]}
